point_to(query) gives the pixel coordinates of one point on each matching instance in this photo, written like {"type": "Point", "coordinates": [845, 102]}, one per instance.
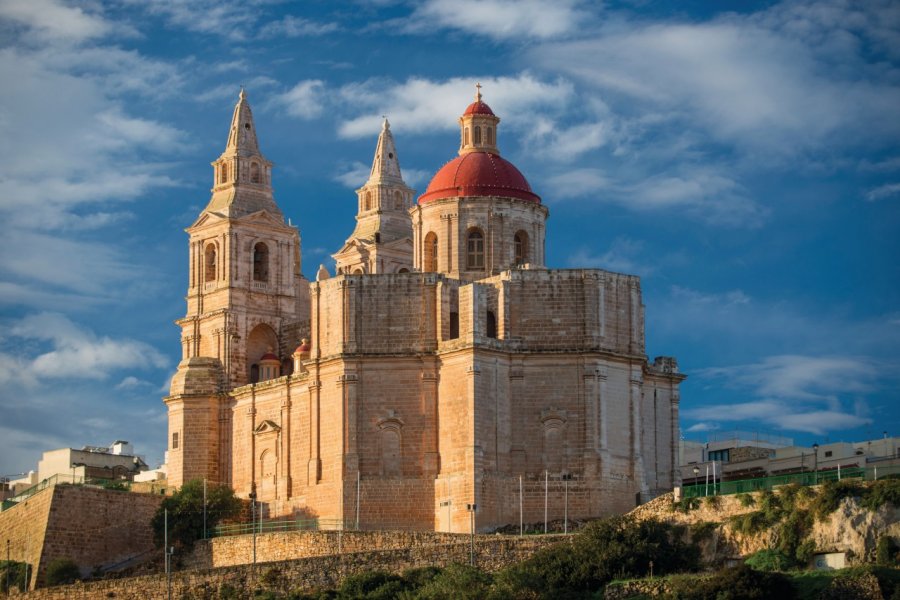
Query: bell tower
{"type": "Point", "coordinates": [381, 242]}
{"type": "Point", "coordinates": [247, 301]}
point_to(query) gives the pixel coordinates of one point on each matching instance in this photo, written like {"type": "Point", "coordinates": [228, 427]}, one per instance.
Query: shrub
{"type": "Point", "coordinates": [769, 560]}
{"type": "Point", "coordinates": [421, 576]}
{"type": "Point", "coordinates": [702, 530]}
{"type": "Point", "coordinates": [830, 495]}
{"type": "Point", "coordinates": [618, 547]}
{"type": "Point", "coordinates": [805, 552]}
{"type": "Point", "coordinates": [792, 531]}
{"type": "Point", "coordinates": [62, 571]}
{"type": "Point", "coordinates": [883, 491]}
{"type": "Point", "coordinates": [735, 583]}
{"type": "Point", "coordinates": [711, 502]}
{"type": "Point", "coordinates": [884, 551]}
{"type": "Point", "coordinates": [16, 572]}
{"type": "Point", "coordinates": [372, 585]}
{"type": "Point", "coordinates": [746, 500]}
{"type": "Point", "coordinates": [185, 509]}
{"type": "Point", "coordinates": [456, 581]}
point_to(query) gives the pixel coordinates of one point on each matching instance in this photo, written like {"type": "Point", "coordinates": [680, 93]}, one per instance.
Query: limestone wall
{"type": "Point", "coordinates": [491, 553]}
{"type": "Point", "coordinates": [24, 525]}
{"type": "Point", "coordinates": [96, 528]}
{"type": "Point", "coordinates": [291, 545]}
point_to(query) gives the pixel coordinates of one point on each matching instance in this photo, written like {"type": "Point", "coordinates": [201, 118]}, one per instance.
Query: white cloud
{"type": "Point", "coordinates": [777, 414]}
{"type": "Point", "coordinates": [291, 26]}
{"type": "Point", "coordinates": [234, 19]}
{"type": "Point", "coordinates": [700, 427]}
{"type": "Point", "coordinates": [500, 19]}
{"type": "Point", "coordinates": [305, 100]}
{"type": "Point", "coordinates": [698, 192]}
{"type": "Point", "coordinates": [425, 105]}
{"type": "Point", "coordinates": [748, 81]}
{"type": "Point", "coordinates": [54, 20]}
{"type": "Point", "coordinates": [76, 353]}
{"type": "Point", "coordinates": [800, 377]}
{"type": "Point", "coordinates": [884, 191]}
{"type": "Point", "coordinates": [353, 175]}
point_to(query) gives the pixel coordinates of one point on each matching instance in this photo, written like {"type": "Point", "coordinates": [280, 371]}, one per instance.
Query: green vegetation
{"type": "Point", "coordinates": [62, 571]}
{"type": "Point", "coordinates": [16, 572]}
{"type": "Point", "coordinates": [185, 509]}
{"type": "Point", "coordinates": [734, 583]}
{"type": "Point", "coordinates": [769, 560]}
{"type": "Point", "coordinates": [746, 500]}
{"type": "Point", "coordinates": [702, 531]}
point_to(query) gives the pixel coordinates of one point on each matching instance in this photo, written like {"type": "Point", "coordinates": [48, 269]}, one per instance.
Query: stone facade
{"type": "Point", "coordinates": [443, 366]}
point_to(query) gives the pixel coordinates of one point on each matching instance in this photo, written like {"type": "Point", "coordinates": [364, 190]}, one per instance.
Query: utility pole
{"type": "Point", "coordinates": [204, 508]}
{"type": "Point", "coordinates": [566, 478]}
{"type": "Point", "coordinates": [357, 499]}
{"type": "Point", "coordinates": [521, 517]}
{"type": "Point", "coordinates": [472, 508]}
{"type": "Point", "coordinates": [7, 567]}
{"type": "Point", "coordinates": [168, 553]}
{"type": "Point", "coordinates": [546, 482]}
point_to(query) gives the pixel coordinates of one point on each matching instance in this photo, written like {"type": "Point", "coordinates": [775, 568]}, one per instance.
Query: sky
{"type": "Point", "coordinates": [742, 157]}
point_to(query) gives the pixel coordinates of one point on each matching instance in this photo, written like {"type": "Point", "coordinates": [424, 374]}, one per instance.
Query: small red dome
{"type": "Point", "coordinates": [269, 356]}
{"type": "Point", "coordinates": [479, 174]}
{"type": "Point", "coordinates": [302, 348]}
{"type": "Point", "coordinates": [478, 108]}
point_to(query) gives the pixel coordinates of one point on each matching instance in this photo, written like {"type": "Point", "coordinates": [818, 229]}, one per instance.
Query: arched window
{"type": "Point", "coordinates": [477, 135]}
{"type": "Point", "coordinates": [431, 253]}
{"type": "Point", "coordinates": [454, 325]}
{"type": "Point", "coordinates": [403, 270]}
{"type": "Point", "coordinates": [475, 250]}
{"type": "Point", "coordinates": [223, 170]}
{"type": "Point", "coordinates": [491, 324]}
{"type": "Point", "coordinates": [520, 243]}
{"type": "Point", "coordinates": [254, 373]}
{"type": "Point", "coordinates": [254, 173]}
{"type": "Point", "coordinates": [368, 205]}
{"type": "Point", "coordinates": [466, 137]}
{"type": "Point", "coordinates": [489, 134]}
{"type": "Point", "coordinates": [260, 262]}
{"type": "Point", "coordinates": [209, 261]}
{"type": "Point", "coordinates": [398, 201]}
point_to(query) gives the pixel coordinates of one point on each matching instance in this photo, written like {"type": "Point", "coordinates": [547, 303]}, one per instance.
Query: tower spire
{"type": "Point", "coordinates": [385, 164]}
{"type": "Point", "coordinates": [242, 134]}
{"type": "Point", "coordinates": [242, 177]}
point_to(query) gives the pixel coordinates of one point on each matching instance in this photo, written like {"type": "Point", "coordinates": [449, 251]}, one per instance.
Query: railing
{"type": "Point", "coordinates": [63, 478]}
{"type": "Point", "coordinates": [275, 525]}
{"type": "Point", "coordinates": [741, 486]}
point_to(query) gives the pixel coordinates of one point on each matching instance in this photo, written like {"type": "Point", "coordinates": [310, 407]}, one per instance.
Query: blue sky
{"type": "Point", "coordinates": [745, 163]}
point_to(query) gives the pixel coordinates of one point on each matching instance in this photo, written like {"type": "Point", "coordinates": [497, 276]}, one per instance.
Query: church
{"type": "Point", "coordinates": [442, 373]}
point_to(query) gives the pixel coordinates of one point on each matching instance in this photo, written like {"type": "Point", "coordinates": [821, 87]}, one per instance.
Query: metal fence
{"type": "Point", "coordinates": [741, 486]}
{"type": "Point", "coordinates": [275, 525]}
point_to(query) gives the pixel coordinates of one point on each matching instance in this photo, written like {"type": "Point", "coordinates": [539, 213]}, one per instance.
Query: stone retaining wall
{"type": "Point", "coordinates": [290, 545]}
{"type": "Point", "coordinates": [491, 553]}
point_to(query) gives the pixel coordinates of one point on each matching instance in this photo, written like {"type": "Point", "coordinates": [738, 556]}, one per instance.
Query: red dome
{"type": "Point", "coordinates": [479, 174]}
{"type": "Point", "coordinates": [301, 349]}
{"type": "Point", "coordinates": [478, 108]}
{"type": "Point", "coordinates": [269, 356]}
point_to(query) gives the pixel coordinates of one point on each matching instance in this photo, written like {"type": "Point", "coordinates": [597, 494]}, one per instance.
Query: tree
{"type": "Point", "coordinates": [185, 508]}
{"type": "Point", "coordinates": [16, 575]}
{"type": "Point", "coordinates": [62, 571]}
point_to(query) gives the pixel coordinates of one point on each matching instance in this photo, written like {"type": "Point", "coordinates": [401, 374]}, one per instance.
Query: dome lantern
{"type": "Point", "coordinates": [478, 127]}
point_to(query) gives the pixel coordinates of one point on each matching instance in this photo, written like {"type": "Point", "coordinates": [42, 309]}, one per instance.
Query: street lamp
{"type": "Point", "coordinates": [566, 478]}
{"type": "Point", "coordinates": [816, 464]}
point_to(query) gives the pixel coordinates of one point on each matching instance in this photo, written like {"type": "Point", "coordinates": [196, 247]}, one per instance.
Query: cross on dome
{"type": "Point", "coordinates": [477, 92]}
